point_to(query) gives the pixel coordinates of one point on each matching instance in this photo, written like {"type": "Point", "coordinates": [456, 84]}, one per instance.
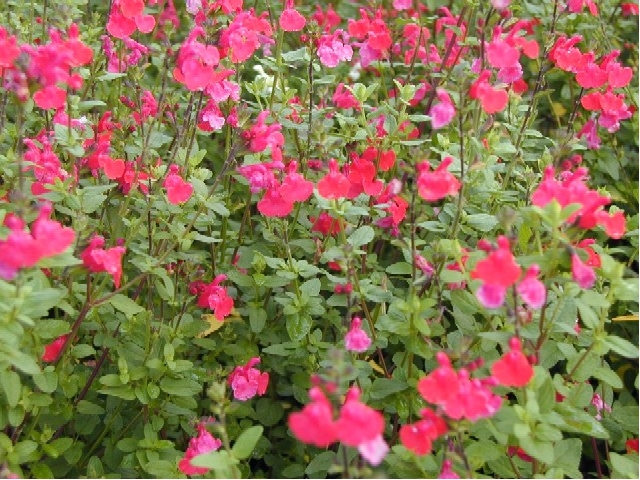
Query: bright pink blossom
{"type": "Point", "coordinates": [178, 190]}
{"type": "Point", "coordinates": [531, 290]}
{"type": "Point", "coordinates": [97, 259]}
{"type": "Point", "coordinates": [203, 443]}
{"type": "Point", "coordinates": [492, 99]}
{"type": "Point", "coordinates": [22, 249]}
{"type": "Point", "coordinates": [216, 298]}
{"type": "Point", "coordinates": [513, 369]}
{"type": "Point", "coordinates": [419, 436]}
{"type": "Point", "coordinates": [247, 381]}
{"type": "Point", "coordinates": [314, 424]}
{"type": "Point", "coordinates": [437, 184]}
{"type": "Point", "coordinates": [290, 19]}
{"type": "Point", "coordinates": [443, 112]}
{"type": "Point", "coordinates": [334, 185]}
{"type": "Point", "coordinates": [357, 340]}
{"type": "Point", "coordinates": [358, 423]}
{"type": "Point", "coordinates": [582, 274]}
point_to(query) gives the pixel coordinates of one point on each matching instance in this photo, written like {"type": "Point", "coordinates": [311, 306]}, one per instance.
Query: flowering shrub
{"type": "Point", "coordinates": [283, 239]}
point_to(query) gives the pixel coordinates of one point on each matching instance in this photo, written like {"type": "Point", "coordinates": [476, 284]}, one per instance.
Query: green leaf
{"type": "Point", "coordinates": [46, 381]}
{"type": "Point", "coordinates": [49, 328]}
{"type": "Point", "coordinates": [621, 346]}
{"type": "Point", "coordinates": [87, 408]}
{"type": "Point", "coordinates": [246, 442]}
{"type": "Point", "coordinates": [482, 221]}
{"type": "Point", "coordinates": [321, 463]}
{"type": "Point", "coordinates": [361, 236]}
{"type": "Point", "coordinates": [608, 376]}
{"type": "Point", "coordinates": [624, 466]}
{"type": "Point", "coordinates": [626, 416]}
{"type": "Point", "coordinates": [125, 305]}
{"type": "Point", "coordinates": [269, 412]}
{"type": "Point", "coordinates": [383, 387]}
{"type": "Point", "coordinates": [481, 452]}
{"type": "Point", "coordinates": [180, 387]}
{"type": "Point", "coordinates": [399, 268]}
{"type": "Point", "coordinates": [218, 460]}
{"type": "Point", "coordinates": [10, 382]}
{"type": "Point", "coordinates": [539, 450]}
{"type": "Point", "coordinates": [311, 287]}
{"type": "Point", "coordinates": [567, 456]}
{"type": "Point", "coordinates": [298, 326]}
{"type": "Point", "coordinates": [578, 421]}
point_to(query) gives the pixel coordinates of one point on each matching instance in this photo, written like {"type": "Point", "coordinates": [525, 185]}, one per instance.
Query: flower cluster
{"type": "Point", "coordinates": [23, 249]}
{"type": "Point", "coordinates": [247, 382]}
{"type": "Point", "coordinates": [356, 425]}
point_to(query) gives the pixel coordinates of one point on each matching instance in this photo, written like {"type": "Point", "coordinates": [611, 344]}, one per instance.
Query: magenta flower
{"type": "Point", "coordinates": [356, 339]}
{"type": "Point", "coordinates": [247, 382]}
{"type": "Point", "coordinates": [203, 443]}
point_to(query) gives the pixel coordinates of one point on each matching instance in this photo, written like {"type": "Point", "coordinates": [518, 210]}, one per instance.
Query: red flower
{"type": "Point", "coordinates": [628, 9]}
{"type": "Point", "coordinates": [513, 369]}
{"type": "Point", "coordinates": [437, 184]}
{"type": "Point", "coordinates": [334, 185]}
{"type": "Point", "coordinates": [178, 190]}
{"type": "Point", "coordinates": [53, 349]}
{"type": "Point", "coordinates": [22, 249]}
{"type": "Point", "coordinates": [500, 267]}
{"type": "Point", "coordinates": [492, 100]}
{"type": "Point", "coordinates": [418, 437]}
{"type": "Point", "coordinates": [358, 423]}
{"type": "Point", "coordinates": [314, 424]}
{"type": "Point", "coordinates": [247, 382]}
{"type": "Point", "coordinates": [203, 443]}
{"type": "Point", "coordinates": [632, 445]}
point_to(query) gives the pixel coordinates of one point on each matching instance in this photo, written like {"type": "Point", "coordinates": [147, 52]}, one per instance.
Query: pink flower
{"type": "Point", "coordinates": [531, 290]}
{"type": "Point", "coordinates": [582, 274]}
{"type": "Point", "coordinates": [334, 185]}
{"type": "Point", "coordinates": [203, 443]}
{"type": "Point", "coordinates": [247, 382]}
{"type": "Point", "coordinates": [437, 184]}
{"type": "Point", "coordinates": [178, 190]}
{"type": "Point", "coordinates": [290, 19]}
{"type": "Point", "coordinates": [97, 259]}
{"type": "Point", "coordinates": [314, 424]}
{"type": "Point", "coordinates": [357, 340]}
{"type": "Point", "coordinates": [358, 423]}
{"type": "Point", "coordinates": [447, 470]}
{"type": "Point", "coordinates": [442, 113]}
{"type": "Point", "coordinates": [334, 48]}
{"type": "Point", "coordinates": [215, 297]}
{"type": "Point", "coordinates": [418, 436]}
{"type": "Point", "coordinates": [374, 451]}
{"type": "Point", "coordinates": [513, 369]}
{"type": "Point", "coordinates": [492, 100]}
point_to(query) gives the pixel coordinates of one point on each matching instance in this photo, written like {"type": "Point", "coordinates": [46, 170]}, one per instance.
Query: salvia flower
{"type": "Point", "coordinates": [356, 339]}
{"type": "Point", "coordinates": [203, 443]}
{"type": "Point", "coordinates": [247, 381]}
{"type": "Point", "coordinates": [513, 369]}
{"type": "Point", "coordinates": [97, 259]}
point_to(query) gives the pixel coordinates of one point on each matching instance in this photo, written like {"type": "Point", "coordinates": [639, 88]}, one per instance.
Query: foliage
{"type": "Point", "coordinates": [284, 239]}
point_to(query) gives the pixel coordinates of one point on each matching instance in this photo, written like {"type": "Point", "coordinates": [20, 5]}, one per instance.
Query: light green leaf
{"type": "Point", "coordinates": [361, 236]}
{"type": "Point", "coordinates": [246, 442]}
{"type": "Point", "coordinates": [125, 305]}
{"type": "Point", "coordinates": [10, 382]}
